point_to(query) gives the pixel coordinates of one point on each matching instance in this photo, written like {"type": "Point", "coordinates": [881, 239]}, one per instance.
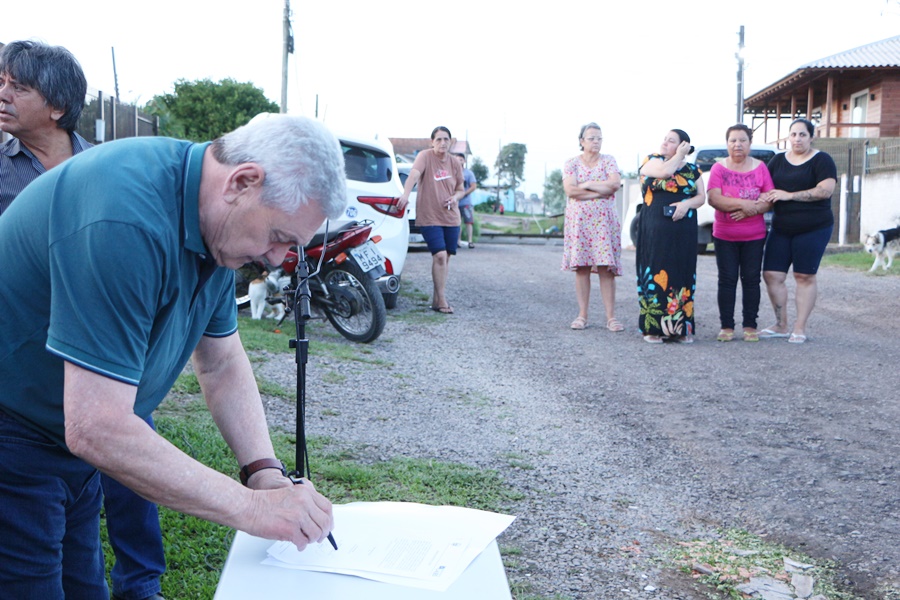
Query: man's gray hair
{"type": "Point", "coordinates": [303, 161]}
{"type": "Point", "coordinates": [53, 72]}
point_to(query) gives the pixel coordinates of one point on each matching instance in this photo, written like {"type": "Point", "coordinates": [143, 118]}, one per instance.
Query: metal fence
{"type": "Point", "coordinates": [855, 158]}
{"type": "Point", "coordinates": [849, 156]}
{"type": "Point", "coordinates": [883, 154]}
{"type": "Point", "coordinates": [104, 119]}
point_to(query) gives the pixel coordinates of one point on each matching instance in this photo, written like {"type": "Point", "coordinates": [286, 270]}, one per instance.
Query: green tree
{"type": "Point", "coordinates": [511, 164]}
{"type": "Point", "coordinates": [480, 170]}
{"type": "Point", "coordinates": [554, 194]}
{"type": "Point", "coordinates": [204, 110]}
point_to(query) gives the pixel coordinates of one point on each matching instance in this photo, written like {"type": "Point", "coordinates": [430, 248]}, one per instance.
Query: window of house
{"type": "Point", "coordinates": [859, 102]}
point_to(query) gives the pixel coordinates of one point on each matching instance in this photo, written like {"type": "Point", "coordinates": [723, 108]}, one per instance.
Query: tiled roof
{"type": "Point", "coordinates": [412, 146]}
{"type": "Point", "coordinates": [885, 53]}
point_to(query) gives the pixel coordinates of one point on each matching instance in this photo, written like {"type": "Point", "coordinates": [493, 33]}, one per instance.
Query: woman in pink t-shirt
{"type": "Point", "coordinates": [739, 229]}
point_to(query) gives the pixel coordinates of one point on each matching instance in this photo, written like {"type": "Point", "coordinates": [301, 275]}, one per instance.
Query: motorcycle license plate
{"type": "Point", "coordinates": [367, 256]}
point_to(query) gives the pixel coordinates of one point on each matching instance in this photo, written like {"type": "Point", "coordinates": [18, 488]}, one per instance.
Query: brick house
{"type": "Point", "coordinates": [852, 94]}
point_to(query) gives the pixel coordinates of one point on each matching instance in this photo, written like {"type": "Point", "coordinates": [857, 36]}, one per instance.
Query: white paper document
{"type": "Point", "coordinates": [402, 543]}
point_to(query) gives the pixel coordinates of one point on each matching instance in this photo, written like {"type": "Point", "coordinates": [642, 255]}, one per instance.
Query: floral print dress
{"type": "Point", "coordinates": [593, 233]}
{"type": "Point", "coordinates": [667, 255]}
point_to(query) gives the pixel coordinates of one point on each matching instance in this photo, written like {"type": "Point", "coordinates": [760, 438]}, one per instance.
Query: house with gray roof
{"type": "Point", "coordinates": [852, 94]}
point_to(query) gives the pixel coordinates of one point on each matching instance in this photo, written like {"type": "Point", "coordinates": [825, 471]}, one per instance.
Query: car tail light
{"type": "Point", "coordinates": [383, 204]}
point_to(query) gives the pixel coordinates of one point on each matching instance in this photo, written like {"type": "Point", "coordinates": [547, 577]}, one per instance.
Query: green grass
{"type": "Point", "coordinates": [411, 291]}
{"type": "Point", "coordinates": [333, 377]}
{"type": "Point", "coordinates": [263, 335]}
{"type": "Point", "coordinates": [526, 226]}
{"type": "Point", "coordinates": [267, 388]}
{"type": "Point", "coordinates": [186, 384]}
{"type": "Point", "coordinates": [857, 261]}
{"type": "Point", "coordinates": [196, 549]}
{"type": "Point", "coordinates": [259, 336]}
{"type": "Point", "coordinates": [476, 229]}
{"type": "Point", "coordinates": [421, 315]}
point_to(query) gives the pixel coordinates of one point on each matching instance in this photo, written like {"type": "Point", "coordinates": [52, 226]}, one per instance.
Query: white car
{"type": "Point", "coordinates": [415, 236]}
{"type": "Point", "coordinates": [705, 157]}
{"type": "Point", "coordinates": [373, 188]}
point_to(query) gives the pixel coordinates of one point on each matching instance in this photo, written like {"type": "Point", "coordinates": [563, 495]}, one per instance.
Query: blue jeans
{"type": "Point", "coordinates": [739, 260]}
{"type": "Point", "coordinates": [136, 540]}
{"type": "Point", "coordinates": [50, 519]}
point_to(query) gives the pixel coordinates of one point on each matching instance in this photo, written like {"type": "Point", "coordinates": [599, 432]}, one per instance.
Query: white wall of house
{"type": "Point", "coordinates": [880, 207]}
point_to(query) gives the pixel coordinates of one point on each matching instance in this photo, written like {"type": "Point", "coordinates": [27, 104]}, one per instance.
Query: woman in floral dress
{"type": "Point", "coordinates": [592, 242]}
{"type": "Point", "coordinates": [667, 241]}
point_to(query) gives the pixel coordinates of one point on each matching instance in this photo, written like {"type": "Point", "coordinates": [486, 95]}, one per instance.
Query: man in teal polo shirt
{"type": "Point", "coordinates": [42, 90]}
{"type": "Point", "coordinates": [116, 272]}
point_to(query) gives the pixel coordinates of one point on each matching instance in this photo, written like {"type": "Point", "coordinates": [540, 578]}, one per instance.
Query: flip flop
{"type": "Point", "coordinates": [797, 338]}
{"type": "Point", "coordinates": [615, 325]}
{"type": "Point", "coordinates": [725, 336]}
{"type": "Point", "coordinates": [751, 336]}
{"type": "Point", "coordinates": [444, 310]}
{"type": "Point", "coordinates": [653, 339]}
{"type": "Point", "coordinates": [769, 333]}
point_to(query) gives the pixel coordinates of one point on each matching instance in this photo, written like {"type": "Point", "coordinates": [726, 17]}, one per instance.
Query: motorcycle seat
{"type": "Point", "coordinates": [319, 238]}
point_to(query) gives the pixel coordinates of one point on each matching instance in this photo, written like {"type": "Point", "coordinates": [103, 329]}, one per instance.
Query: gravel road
{"type": "Point", "coordinates": [623, 447]}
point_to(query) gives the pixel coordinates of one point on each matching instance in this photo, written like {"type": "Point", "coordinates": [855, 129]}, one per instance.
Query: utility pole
{"type": "Point", "coordinates": [740, 76]}
{"type": "Point", "coordinates": [115, 74]}
{"type": "Point", "coordinates": [288, 49]}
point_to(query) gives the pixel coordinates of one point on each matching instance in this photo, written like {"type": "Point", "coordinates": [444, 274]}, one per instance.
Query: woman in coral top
{"type": "Point", "coordinates": [440, 179]}
{"type": "Point", "coordinates": [667, 241]}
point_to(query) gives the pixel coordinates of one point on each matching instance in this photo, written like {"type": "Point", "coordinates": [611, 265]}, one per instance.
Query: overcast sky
{"type": "Point", "coordinates": [494, 72]}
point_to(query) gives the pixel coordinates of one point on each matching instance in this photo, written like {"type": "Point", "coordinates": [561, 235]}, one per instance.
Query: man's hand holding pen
{"type": "Point", "coordinates": [281, 510]}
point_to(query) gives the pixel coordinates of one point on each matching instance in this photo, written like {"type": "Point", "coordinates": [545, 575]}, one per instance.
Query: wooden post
{"type": "Point", "coordinates": [809, 101]}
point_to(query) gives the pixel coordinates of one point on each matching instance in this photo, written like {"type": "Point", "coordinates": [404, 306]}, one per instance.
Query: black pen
{"type": "Point", "coordinates": [330, 537]}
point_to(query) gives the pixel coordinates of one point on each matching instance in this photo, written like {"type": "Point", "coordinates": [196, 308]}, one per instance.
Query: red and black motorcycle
{"type": "Point", "coordinates": [346, 288]}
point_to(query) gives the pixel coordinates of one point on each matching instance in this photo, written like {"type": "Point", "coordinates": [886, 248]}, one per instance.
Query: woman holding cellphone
{"type": "Point", "coordinates": [667, 241]}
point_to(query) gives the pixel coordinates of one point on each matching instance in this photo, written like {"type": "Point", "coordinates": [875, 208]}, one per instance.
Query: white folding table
{"type": "Point", "coordinates": [245, 578]}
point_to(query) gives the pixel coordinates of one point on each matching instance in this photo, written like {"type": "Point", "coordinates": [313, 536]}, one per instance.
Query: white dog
{"type": "Point", "coordinates": [884, 245]}
{"type": "Point", "coordinates": [268, 285]}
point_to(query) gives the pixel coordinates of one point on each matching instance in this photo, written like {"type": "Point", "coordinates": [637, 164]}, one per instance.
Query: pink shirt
{"type": "Point", "coordinates": [744, 186]}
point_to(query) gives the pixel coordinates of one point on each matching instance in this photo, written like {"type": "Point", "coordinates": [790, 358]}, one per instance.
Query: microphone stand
{"type": "Point", "coordinates": [301, 356]}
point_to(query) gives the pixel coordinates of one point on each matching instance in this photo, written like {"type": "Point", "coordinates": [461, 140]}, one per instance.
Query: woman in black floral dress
{"type": "Point", "coordinates": [667, 241]}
